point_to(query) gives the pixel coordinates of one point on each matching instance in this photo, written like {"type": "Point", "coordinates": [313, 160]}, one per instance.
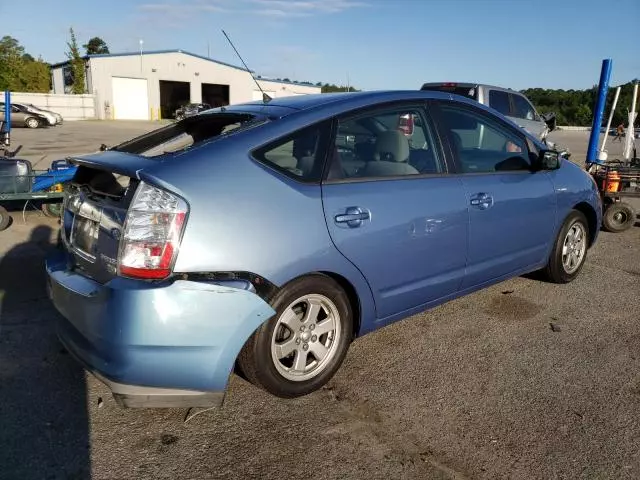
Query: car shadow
{"type": "Point", "coordinates": [44, 428]}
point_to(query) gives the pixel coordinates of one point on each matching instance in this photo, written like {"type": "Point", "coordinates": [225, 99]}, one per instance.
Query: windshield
{"type": "Point", "coordinates": [184, 135]}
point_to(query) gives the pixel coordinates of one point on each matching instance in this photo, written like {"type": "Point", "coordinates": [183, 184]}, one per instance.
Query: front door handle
{"type": "Point", "coordinates": [482, 201]}
{"type": "Point", "coordinates": [353, 217]}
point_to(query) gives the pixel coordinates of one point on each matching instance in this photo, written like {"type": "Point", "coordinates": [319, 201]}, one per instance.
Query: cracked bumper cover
{"type": "Point", "coordinates": [170, 344]}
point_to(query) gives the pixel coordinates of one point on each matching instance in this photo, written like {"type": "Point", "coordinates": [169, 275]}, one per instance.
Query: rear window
{"type": "Point", "coordinates": [188, 133]}
{"type": "Point", "coordinates": [465, 91]}
{"type": "Point", "coordinates": [299, 155]}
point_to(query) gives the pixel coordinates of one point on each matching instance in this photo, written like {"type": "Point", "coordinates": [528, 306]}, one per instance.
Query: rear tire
{"type": "Point", "coordinates": [618, 217]}
{"type": "Point", "coordinates": [301, 347]}
{"type": "Point", "coordinates": [5, 219]}
{"type": "Point", "coordinates": [52, 210]}
{"type": "Point", "coordinates": [570, 249]}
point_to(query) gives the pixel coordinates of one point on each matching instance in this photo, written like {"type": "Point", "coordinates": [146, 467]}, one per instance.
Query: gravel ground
{"type": "Point", "coordinates": [524, 380]}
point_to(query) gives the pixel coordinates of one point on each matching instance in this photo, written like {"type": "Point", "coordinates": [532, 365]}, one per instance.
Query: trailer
{"type": "Point", "coordinates": [20, 183]}
{"type": "Point", "coordinates": [618, 181]}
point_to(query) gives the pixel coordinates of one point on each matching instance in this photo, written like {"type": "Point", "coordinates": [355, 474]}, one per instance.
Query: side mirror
{"type": "Point", "coordinates": [549, 160]}
{"type": "Point", "coordinates": [551, 120]}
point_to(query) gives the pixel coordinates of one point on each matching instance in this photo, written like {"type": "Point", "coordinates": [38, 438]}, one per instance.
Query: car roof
{"type": "Point", "coordinates": [301, 102]}
{"type": "Point", "coordinates": [281, 106]}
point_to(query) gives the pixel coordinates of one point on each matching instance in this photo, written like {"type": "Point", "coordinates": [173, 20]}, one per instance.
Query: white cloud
{"type": "Point", "coordinates": [297, 8]}
{"type": "Point", "coordinates": [186, 8]}
{"type": "Point", "coordinates": [274, 9]}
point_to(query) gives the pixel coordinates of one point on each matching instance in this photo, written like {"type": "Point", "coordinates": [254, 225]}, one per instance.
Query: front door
{"type": "Point", "coordinates": [393, 211]}
{"type": "Point", "coordinates": [526, 116]}
{"type": "Point", "coordinates": [512, 209]}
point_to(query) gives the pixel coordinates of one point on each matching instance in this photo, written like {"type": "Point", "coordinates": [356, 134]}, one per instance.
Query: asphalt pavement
{"type": "Point", "coordinates": [524, 380]}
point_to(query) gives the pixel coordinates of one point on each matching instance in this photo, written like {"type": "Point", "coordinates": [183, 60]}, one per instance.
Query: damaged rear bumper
{"type": "Point", "coordinates": [170, 344]}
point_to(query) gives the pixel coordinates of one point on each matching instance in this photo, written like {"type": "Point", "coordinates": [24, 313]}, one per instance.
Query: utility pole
{"type": "Point", "coordinates": [208, 50]}
{"type": "Point", "coordinates": [141, 42]}
{"type": "Point", "coordinates": [629, 139]}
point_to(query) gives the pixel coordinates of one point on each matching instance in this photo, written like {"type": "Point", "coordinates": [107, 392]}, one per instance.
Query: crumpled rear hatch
{"type": "Point", "coordinates": [95, 210]}
{"type": "Point", "coordinates": [97, 201]}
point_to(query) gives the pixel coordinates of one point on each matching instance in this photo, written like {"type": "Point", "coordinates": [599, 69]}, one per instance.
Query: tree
{"type": "Point", "coordinates": [19, 71]}
{"type": "Point", "coordinates": [575, 107]}
{"type": "Point", "coordinates": [96, 46]}
{"type": "Point", "coordinates": [10, 63]}
{"type": "Point", "coordinates": [331, 88]}
{"type": "Point", "coordinates": [36, 77]}
{"type": "Point", "coordinates": [77, 64]}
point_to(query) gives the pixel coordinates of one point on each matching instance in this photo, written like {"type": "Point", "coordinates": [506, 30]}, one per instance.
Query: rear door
{"type": "Point", "coordinates": [393, 210]}
{"type": "Point", "coordinates": [512, 209]}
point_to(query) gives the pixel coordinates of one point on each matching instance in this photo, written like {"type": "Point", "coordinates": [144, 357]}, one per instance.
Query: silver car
{"type": "Point", "coordinates": [52, 117]}
{"type": "Point", "coordinates": [21, 117]}
{"type": "Point", "coordinates": [510, 103]}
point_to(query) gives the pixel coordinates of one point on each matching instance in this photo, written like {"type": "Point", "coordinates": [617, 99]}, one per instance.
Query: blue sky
{"type": "Point", "coordinates": [376, 44]}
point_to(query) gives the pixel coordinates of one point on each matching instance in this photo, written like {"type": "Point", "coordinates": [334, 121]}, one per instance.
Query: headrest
{"type": "Point", "coordinates": [392, 146]}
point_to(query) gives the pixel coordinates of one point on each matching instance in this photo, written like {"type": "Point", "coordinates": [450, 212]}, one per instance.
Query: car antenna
{"type": "Point", "coordinates": [265, 98]}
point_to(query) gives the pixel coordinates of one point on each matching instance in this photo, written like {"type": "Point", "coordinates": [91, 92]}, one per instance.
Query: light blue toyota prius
{"type": "Point", "coordinates": [263, 238]}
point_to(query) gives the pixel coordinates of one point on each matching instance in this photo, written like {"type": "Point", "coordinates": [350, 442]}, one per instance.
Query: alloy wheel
{"type": "Point", "coordinates": [574, 247]}
{"type": "Point", "coordinates": [306, 337]}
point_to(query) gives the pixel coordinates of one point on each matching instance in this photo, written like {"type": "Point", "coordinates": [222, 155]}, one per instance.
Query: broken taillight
{"type": "Point", "coordinates": [152, 232]}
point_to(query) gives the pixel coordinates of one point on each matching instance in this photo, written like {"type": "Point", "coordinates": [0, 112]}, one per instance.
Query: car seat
{"type": "Point", "coordinates": [424, 161]}
{"type": "Point", "coordinates": [391, 156]}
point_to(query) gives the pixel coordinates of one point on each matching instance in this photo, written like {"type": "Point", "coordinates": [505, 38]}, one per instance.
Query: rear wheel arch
{"type": "Point", "coordinates": [256, 362]}
{"type": "Point", "coordinates": [348, 288]}
{"type": "Point", "coordinates": [354, 299]}
{"type": "Point", "coordinates": [345, 284]}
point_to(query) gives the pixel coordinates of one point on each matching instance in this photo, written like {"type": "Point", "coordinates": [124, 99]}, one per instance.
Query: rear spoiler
{"type": "Point", "coordinates": [114, 161]}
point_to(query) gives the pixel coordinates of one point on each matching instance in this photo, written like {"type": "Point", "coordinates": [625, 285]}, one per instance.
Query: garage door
{"type": "Point", "coordinates": [257, 94]}
{"type": "Point", "coordinates": [130, 98]}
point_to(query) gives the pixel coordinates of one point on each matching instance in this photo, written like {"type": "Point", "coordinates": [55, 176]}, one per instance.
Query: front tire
{"type": "Point", "coordinates": [570, 249]}
{"type": "Point", "coordinates": [32, 122]}
{"type": "Point", "coordinates": [301, 347]}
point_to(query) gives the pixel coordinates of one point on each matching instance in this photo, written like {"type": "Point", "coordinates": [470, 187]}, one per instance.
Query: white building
{"type": "Point", "coordinates": [154, 84]}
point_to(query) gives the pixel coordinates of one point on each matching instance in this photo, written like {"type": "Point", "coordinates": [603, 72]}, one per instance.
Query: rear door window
{"type": "Point", "coordinates": [392, 142]}
{"type": "Point", "coordinates": [499, 101]}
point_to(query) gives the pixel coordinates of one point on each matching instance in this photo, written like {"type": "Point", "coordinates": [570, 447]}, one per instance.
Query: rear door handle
{"type": "Point", "coordinates": [482, 201]}
{"type": "Point", "coordinates": [353, 217]}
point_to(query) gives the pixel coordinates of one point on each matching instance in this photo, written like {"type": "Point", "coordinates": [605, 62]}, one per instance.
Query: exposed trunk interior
{"type": "Point", "coordinates": [93, 218]}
